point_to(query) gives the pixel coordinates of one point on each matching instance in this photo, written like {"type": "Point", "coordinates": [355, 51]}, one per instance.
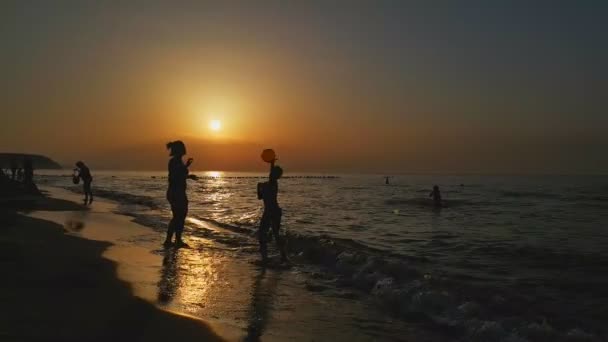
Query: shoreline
{"type": "Point", "coordinates": [221, 285]}
{"type": "Point", "coordinates": [61, 287]}
{"type": "Point", "coordinates": [217, 281]}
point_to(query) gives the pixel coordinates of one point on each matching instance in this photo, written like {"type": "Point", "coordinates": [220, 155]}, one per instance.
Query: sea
{"type": "Point", "coordinates": [508, 258]}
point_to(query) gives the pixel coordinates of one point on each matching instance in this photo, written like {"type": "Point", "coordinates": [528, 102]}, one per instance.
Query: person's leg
{"type": "Point", "coordinates": [179, 228]}
{"type": "Point", "coordinates": [181, 222]}
{"type": "Point", "coordinates": [263, 234]}
{"type": "Point", "coordinates": [85, 189]}
{"type": "Point", "coordinates": [276, 228]}
{"type": "Point", "coordinates": [90, 193]}
{"type": "Point", "coordinates": [171, 227]}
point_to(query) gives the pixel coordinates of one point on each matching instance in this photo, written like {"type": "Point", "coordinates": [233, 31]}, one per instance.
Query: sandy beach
{"type": "Point", "coordinates": [57, 287]}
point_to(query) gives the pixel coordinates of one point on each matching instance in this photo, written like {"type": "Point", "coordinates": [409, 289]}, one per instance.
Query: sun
{"type": "Point", "coordinates": [215, 125]}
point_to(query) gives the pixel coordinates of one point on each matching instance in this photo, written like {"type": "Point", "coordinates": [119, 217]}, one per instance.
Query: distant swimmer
{"type": "Point", "coordinates": [84, 174]}
{"type": "Point", "coordinates": [271, 218]}
{"type": "Point", "coordinates": [436, 194]}
{"type": "Point", "coordinates": [176, 192]}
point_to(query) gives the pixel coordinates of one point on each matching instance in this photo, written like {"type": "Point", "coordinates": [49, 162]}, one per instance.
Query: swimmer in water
{"type": "Point", "coordinates": [436, 194]}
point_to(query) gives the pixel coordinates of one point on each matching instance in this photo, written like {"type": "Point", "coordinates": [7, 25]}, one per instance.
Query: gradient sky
{"type": "Point", "coordinates": [374, 86]}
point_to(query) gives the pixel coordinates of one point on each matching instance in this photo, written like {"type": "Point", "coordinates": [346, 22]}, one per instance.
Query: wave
{"type": "Point", "coordinates": [414, 288]}
{"type": "Point", "coordinates": [428, 202]}
{"type": "Point", "coordinates": [123, 197]}
{"type": "Point", "coordinates": [529, 194]}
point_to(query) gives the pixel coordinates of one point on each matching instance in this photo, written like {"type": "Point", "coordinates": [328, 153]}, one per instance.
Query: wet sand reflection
{"type": "Point", "coordinates": [262, 299]}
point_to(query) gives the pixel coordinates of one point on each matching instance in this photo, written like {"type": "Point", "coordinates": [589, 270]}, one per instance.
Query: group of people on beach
{"type": "Point", "coordinates": [23, 173]}
{"type": "Point", "coordinates": [178, 200]}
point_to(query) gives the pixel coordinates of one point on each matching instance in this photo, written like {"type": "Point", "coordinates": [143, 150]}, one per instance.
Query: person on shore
{"type": "Point", "coordinates": [28, 171]}
{"type": "Point", "coordinates": [271, 218]}
{"type": "Point", "coordinates": [14, 167]}
{"type": "Point", "coordinates": [85, 175]}
{"type": "Point", "coordinates": [436, 194]}
{"type": "Point", "coordinates": [176, 192]}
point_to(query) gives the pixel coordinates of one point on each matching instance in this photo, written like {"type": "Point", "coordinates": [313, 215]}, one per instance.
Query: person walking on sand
{"type": "Point", "coordinates": [436, 194]}
{"type": "Point", "coordinates": [85, 175]}
{"type": "Point", "coordinates": [176, 192]}
{"type": "Point", "coordinates": [271, 218]}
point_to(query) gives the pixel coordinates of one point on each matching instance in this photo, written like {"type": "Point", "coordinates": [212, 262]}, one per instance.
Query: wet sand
{"type": "Point", "coordinates": [57, 287]}
{"type": "Point", "coordinates": [213, 288]}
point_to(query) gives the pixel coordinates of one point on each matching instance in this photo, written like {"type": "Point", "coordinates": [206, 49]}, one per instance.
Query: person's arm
{"type": "Point", "coordinates": [271, 167]}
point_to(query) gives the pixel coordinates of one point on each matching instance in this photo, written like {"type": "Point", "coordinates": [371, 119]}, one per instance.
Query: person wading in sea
{"type": "Point", "coordinates": [271, 218]}
{"type": "Point", "coordinates": [176, 192]}
{"type": "Point", "coordinates": [436, 194]}
{"type": "Point", "coordinates": [85, 174]}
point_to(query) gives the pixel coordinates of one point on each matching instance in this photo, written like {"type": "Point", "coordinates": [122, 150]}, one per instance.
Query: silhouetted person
{"type": "Point", "coordinates": [176, 192]}
{"type": "Point", "coordinates": [386, 180]}
{"type": "Point", "coordinates": [436, 194]}
{"type": "Point", "coordinates": [14, 168]}
{"type": "Point", "coordinates": [85, 175]}
{"type": "Point", "coordinates": [28, 171]}
{"type": "Point", "coordinates": [271, 218]}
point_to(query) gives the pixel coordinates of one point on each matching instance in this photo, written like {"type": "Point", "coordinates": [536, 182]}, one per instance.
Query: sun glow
{"type": "Point", "coordinates": [215, 125]}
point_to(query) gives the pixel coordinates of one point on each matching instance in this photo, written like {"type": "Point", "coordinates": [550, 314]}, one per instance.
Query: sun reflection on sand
{"type": "Point", "coordinates": [189, 276]}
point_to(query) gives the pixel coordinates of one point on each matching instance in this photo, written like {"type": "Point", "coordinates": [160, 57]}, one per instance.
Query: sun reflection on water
{"type": "Point", "coordinates": [214, 174]}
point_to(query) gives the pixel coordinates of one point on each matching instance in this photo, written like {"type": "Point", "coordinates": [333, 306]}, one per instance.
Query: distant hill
{"type": "Point", "coordinates": [39, 162]}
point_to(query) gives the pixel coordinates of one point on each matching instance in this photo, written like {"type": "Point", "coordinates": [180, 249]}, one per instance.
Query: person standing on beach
{"type": "Point", "coordinates": [85, 175]}
{"type": "Point", "coordinates": [176, 192]}
{"type": "Point", "coordinates": [271, 218]}
{"type": "Point", "coordinates": [13, 167]}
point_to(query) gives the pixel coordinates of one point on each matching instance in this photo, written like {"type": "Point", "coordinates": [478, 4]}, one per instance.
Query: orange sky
{"type": "Point", "coordinates": [331, 89]}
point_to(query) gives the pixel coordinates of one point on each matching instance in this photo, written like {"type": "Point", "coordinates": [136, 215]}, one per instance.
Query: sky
{"type": "Point", "coordinates": [337, 86]}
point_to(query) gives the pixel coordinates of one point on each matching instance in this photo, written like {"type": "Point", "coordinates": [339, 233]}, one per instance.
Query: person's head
{"type": "Point", "coordinates": [79, 164]}
{"type": "Point", "coordinates": [176, 148]}
{"type": "Point", "coordinates": [435, 188]}
{"type": "Point", "coordinates": [276, 173]}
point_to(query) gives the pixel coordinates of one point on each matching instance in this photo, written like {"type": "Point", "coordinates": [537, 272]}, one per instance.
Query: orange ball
{"type": "Point", "coordinates": [268, 155]}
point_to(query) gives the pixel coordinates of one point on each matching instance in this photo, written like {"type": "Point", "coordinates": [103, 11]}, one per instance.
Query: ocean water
{"type": "Point", "coordinates": [509, 258]}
